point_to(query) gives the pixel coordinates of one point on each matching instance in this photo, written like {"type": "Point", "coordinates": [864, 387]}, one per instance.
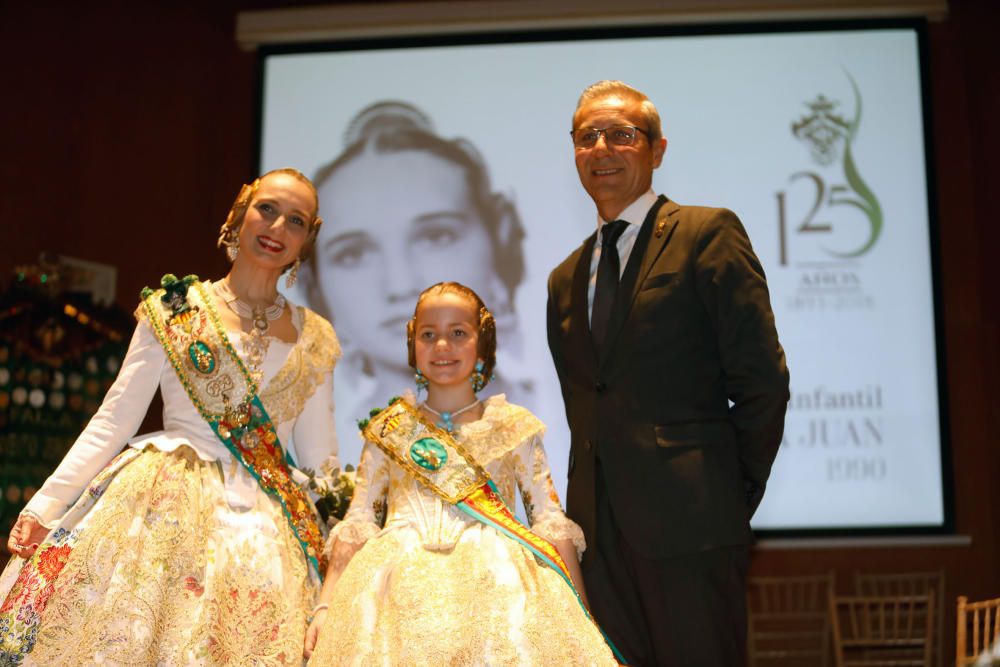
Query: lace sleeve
{"type": "Point", "coordinates": [366, 515]}
{"type": "Point", "coordinates": [554, 528]}
{"type": "Point", "coordinates": [538, 494]}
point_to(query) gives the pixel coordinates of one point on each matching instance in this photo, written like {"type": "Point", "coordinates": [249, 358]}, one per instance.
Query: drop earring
{"type": "Point", "coordinates": [420, 380]}
{"type": "Point", "coordinates": [477, 379]}
{"type": "Point", "coordinates": [293, 275]}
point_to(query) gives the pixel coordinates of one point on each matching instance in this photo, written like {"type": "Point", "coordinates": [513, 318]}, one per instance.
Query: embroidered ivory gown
{"type": "Point", "coordinates": [434, 586]}
{"type": "Point", "coordinates": [173, 554]}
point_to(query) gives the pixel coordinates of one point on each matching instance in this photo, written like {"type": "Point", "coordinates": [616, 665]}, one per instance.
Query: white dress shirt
{"type": "Point", "coordinates": [634, 215]}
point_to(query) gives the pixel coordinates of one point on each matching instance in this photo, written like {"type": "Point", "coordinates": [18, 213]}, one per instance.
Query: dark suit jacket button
{"type": "Point", "coordinates": [586, 445]}
{"type": "Point", "coordinates": [600, 387]}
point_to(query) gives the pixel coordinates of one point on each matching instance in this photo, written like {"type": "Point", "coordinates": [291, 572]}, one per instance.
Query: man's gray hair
{"type": "Point", "coordinates": [609, 88]}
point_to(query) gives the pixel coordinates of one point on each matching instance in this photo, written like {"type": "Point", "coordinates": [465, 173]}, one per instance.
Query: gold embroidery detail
{"type": "Point", "coordinates": [390, 591]}
{"type": "Point", "coordinates": [232, 410]}
{"type": "Point", "coordinates": [229, 384]}
{"type": "Point", "coordinates": [396, 428]}
{"type": "Point", "coordinates": [504, 428]}
{"type": "Point", "coordinates": [303, 372]}
{"type": "Point", "coordinates": [161, 575]}
{"type": "Point", "coordinates": [486, 598]}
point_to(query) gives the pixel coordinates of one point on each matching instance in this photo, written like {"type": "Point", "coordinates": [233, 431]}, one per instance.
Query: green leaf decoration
{"type": "Point", "coordinates": [868, 204]}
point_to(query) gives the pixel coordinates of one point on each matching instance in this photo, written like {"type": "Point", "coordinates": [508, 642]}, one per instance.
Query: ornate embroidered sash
{"type": "Point", "coordinates": [432, 457]}
{"type": "Point", "coordinates": [427, 453]}
{"type": "Point", "coordinates": [221, 388]}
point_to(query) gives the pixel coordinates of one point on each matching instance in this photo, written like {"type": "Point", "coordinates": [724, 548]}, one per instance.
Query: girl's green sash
{"type": "Point", "coordinates": [184, 319]}
{"type": "Point", "coordinates": [432, 457]}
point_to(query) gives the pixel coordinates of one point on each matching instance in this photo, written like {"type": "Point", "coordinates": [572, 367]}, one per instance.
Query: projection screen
{"type": "Point", "coordinates": [814, 136]}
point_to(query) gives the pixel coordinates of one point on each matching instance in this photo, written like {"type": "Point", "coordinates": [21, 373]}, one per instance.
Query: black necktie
{"type": "Point", "coordinates": [608, 275]}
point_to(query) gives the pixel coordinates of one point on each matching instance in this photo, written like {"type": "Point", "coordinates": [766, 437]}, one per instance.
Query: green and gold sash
{"type": "Point", "coordinates": [432, 457]}
{"type": "Point", "coordinates": [185, 322]}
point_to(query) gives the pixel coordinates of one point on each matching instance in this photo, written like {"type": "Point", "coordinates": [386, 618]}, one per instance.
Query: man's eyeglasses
{"type": "Point", "coordinates": [617, 135]}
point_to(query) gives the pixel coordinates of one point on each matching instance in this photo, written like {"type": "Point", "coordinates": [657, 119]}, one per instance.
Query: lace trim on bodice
{"type": "Point", "coordinates": [501, 430]}
{"type": "Point", "coordinates": [315, 355]}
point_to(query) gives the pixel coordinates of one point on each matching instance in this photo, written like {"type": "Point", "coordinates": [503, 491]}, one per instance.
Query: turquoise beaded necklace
{"type": "Point", "coordinates": [447, 418]}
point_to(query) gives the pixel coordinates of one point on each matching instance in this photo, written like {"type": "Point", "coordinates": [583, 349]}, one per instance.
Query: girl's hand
{"type": "Point", "coordinates": [312, 634]}
{"type": "Point", "coordinates": [25, 536]}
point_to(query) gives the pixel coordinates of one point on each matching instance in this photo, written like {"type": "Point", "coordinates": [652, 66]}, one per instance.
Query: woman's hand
{"type": "Point", "coordinates": [25, 536]}
{"type": "Point", "coordinates": [312, 634]}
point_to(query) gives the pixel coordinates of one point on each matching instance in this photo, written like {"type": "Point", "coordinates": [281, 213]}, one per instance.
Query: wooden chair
{"type": "Point", "coordinates": [788, 620]}
{"type": "Point", "coordinates": [910, 583]}
{"type": "Point", "coordinates": [883, 630]}
{"type": "Point", "coordinates": [984, 619]}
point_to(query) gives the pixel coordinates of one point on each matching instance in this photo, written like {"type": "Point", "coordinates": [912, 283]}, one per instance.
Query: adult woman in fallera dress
{"type": "Point", "coordinates": [198, 544]}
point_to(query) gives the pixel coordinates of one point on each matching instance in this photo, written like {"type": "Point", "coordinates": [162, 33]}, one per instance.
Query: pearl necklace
{"type": "Point", "coordinates": [261, 316]}
{"type": "Point", "coordinates": [446, 417]}
{"type": "Point", "coordinates": [245, 310]}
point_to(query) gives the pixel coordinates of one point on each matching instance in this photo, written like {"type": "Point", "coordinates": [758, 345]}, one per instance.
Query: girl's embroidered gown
{"type": "Point", "coordinates": [432, 586]}
{"type": "Point", "coordinates": [169, 552]}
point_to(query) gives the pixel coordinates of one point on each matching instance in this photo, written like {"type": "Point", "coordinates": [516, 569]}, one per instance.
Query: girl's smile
{"type": "Point", "coordinates": [446, 338]}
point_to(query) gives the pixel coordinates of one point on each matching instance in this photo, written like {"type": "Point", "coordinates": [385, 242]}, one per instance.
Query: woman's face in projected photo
{"type": "Point", "coordinates": [395, 224]}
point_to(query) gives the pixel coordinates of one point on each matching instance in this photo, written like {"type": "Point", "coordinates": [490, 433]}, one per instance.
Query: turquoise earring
{"type": "Point", "coordinates": [420, 380]}
{"type": "Point", "coordinates": [477, 379]}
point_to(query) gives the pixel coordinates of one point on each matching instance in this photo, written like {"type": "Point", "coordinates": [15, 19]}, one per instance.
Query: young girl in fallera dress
{"type": "Point", "coordinates": [424, 571]}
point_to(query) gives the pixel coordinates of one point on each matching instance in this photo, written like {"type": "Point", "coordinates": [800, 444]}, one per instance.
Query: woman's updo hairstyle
{"type": "Point", "coordinates": [486, 342]}
{"type": "Point", "coordinates": [230, 230]}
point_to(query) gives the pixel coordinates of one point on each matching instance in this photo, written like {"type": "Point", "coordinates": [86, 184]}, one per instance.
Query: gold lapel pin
{"type": "Point", "coordinates": [660, 226]}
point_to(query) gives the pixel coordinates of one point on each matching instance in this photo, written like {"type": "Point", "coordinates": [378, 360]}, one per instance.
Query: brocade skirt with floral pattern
{"type": "Point", "coordinates": [487, 601]}
{"type": "Point", "coordinates": [153, 567]}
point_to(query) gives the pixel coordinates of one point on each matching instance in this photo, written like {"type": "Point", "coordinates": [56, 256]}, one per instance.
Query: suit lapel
{"type": "Point", "coordinates": [653, 236]}
{"type": "Point", "coordinates": [666, 220]}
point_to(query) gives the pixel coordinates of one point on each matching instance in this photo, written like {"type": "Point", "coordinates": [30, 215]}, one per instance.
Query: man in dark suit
{"type": "Point", "coordinates": [675, 386]}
